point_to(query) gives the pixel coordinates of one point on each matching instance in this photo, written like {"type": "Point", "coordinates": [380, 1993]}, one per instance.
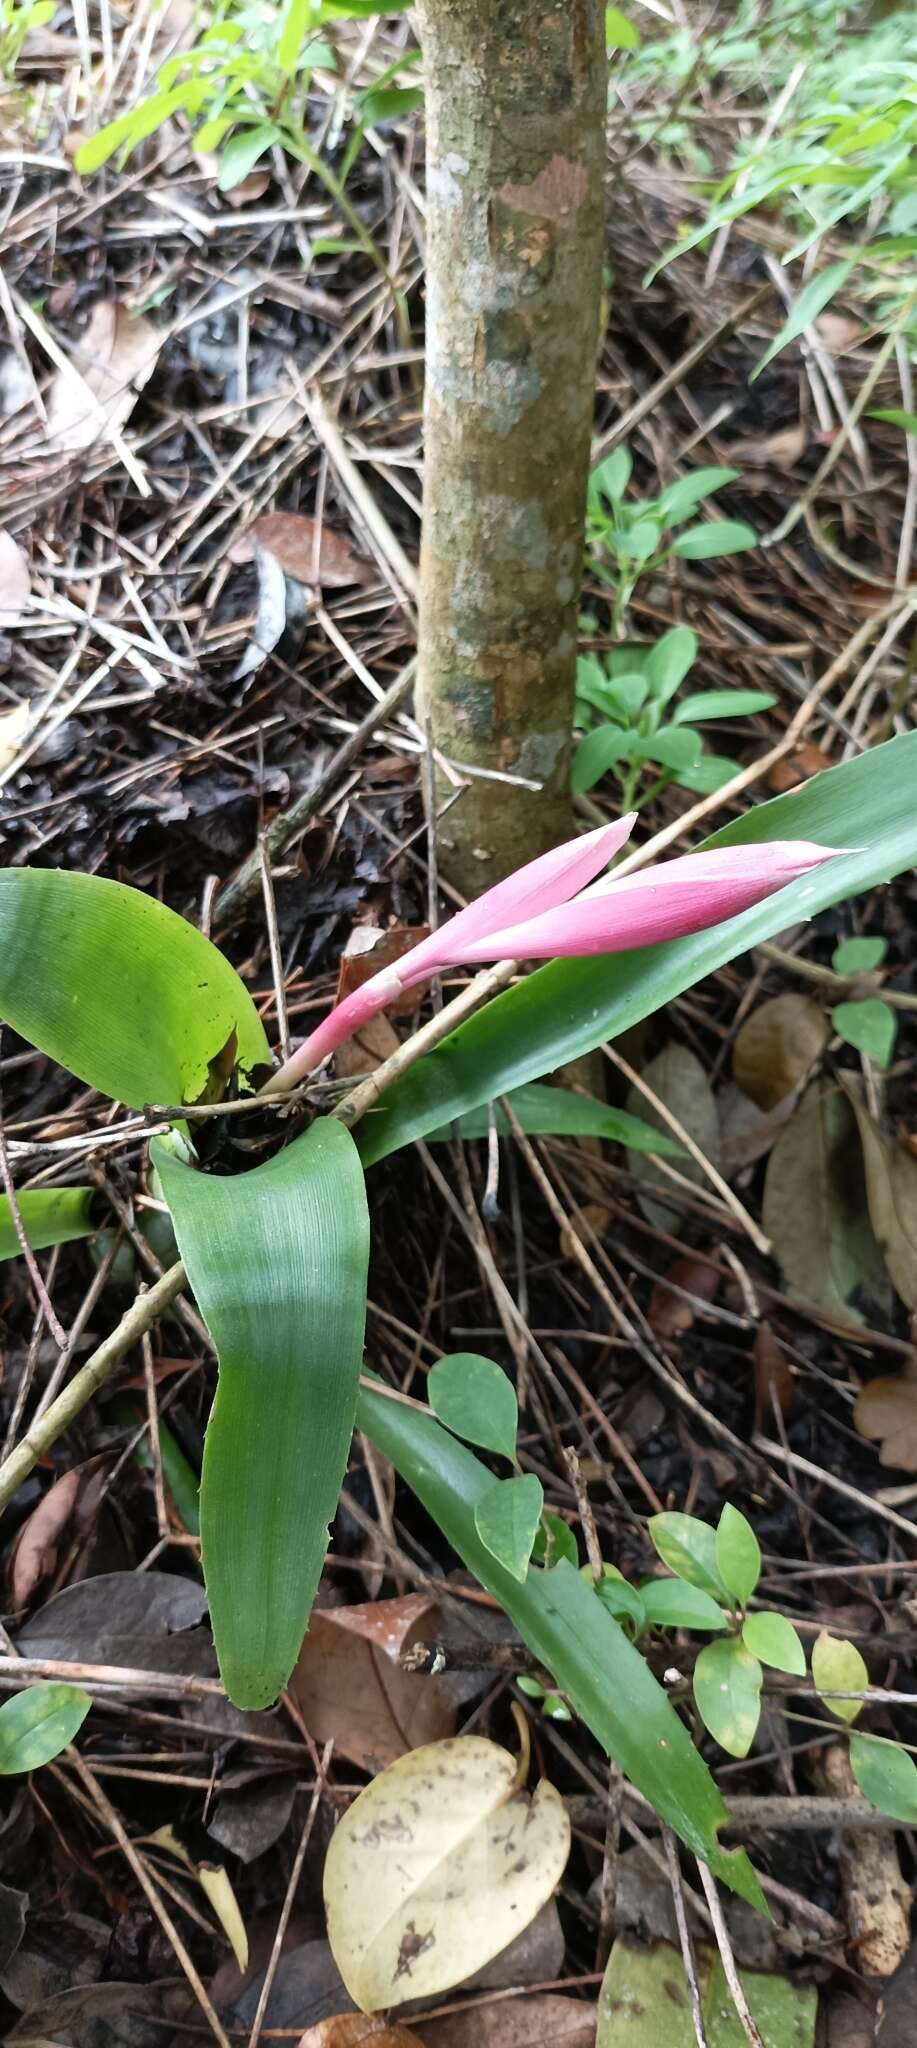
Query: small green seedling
{"type": "Point", "coordinates": [622, 709]}
{"type": "Point", "coordinates": [866, 1022]}
{"type": "Point", "coordinates": [630, 538]}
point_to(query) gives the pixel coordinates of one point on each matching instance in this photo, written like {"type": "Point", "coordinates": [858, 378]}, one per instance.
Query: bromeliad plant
{"type": "Point", "coordinates": [141, 1007]}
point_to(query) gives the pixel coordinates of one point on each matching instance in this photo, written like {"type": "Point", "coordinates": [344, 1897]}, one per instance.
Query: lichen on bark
{"type": "Point", "coordinates": [515, 98]}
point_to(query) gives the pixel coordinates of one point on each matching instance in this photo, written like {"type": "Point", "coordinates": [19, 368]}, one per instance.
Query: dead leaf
{"type": "Point", "coordinates": [838, 331]}
{"type": "Point", "coordinates": [436, 1866]}
{"type": "Point", "coordinates": [544, 2022]}
{"type": "Point", "coordinates": [15, 584]}
{"type": "Point", "coordinates": [773, 1377]}
{"type": "Point", "coordinates": [130, 1618]}
{"type": "Point", "coordinates": [886, 1412]}
{"type": "Point", "coordinates": [891, 1191]}
{"type": "Point", "coordinates": [368, 950]}
{"type": "Point", "coordinates": [112, 361]}
{"type": "Point", "coordinates": [34, 1556]}
{"type": "Point", "coordinates": [118, 2015]}
{"type": "Point", "coordinates": [349, 1683]}
{"type": "Point", "coordinates": [800, 766]}
{"type": "Point", "coordinates": [777, 1047]}
{"type": "Point", "coordinates": [780, 450]}
{"type": "Point", "coordinates": [591, 1219]}
{"type": "Point", "coordinates": [747, 1133]}
{"type": "Point", "coordinates": [815, 1209]}
{"type": "Point", "coordinates": [290, 538]}
{"type": "Point", "coordinates": [352, 2029]}
{"type": "Point", "coordinates": [679, 1080]}
{"type": "Point", "coordinates": [669, 1315]}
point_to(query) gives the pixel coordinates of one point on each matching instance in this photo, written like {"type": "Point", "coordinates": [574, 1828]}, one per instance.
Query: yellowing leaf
{"type": "Point", "coordinates": [215, 1885]}
{"type": "Point", "coordinates": [434, 1869]}
{"type": "Point", "coordinates": [838, 1667]}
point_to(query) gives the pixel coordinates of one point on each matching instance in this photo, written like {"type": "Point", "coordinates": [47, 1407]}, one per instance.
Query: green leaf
{"type": "Point", "coordinates": [838, 1667]}
{"type": "Point", "coordinates": [673, 746]}
{"type": "Point", "coordinates": [49, 1215]}
{"type": "Point", "coordinates": [721, 704]}
{"type": "Point", "coordinates": [506, 1518]}
{"type": "Point", "coordinates": [119, 989]}
{"type": "Point", "coordinates": [638, 542]}
{"type": "Point", "coordinates": [738, 1558]}
{"type": "Point", "coordinates": [645, 2002]}
{"type": "Point", "coordinates": [474, 1398]}
{"type": "Point", "coordinates": [773, 1639]}
{"type": "Point", "coordinates": [897, 417]}
{"type": "Point", "coordinates": [886, 1775]}
{"type": "Point", "coordinates": [597, 753]}
{"type": "Point", "coordinates": [688, 1547]}
{"type": "Point", "coordinates": [295, 22]}
{"type": "Point", "coordinates": [727, 1693]}
{"type": "Point", "coordinates": [558, 1616]}
{"type": "Point", "coordinates": [611, 477]}
{"type": "Point", "coordinates": [554, 1539]}
{"type": "Point", "coordinates": [242, 151]}
{"type": "Point", "coordinates": [627, 695]}
{"type": "Point", "coordinates": [672, 1603]}
{"type": "Point", "coordinates": [683, 497]}
{"type": "Point", "coordinates": [277, 1259]}
{"type": "Point", "coordinates": [566, 1008]}
{"type": "Point", "coordinates": [618, 1596]}
{"type": "Point", "coordinates": [710, 773]}
{"type": "Point", "coordinates": [129, 129]}
{"type": "Point", "coordinates": [35, 1725]}
{"type": "Point", "coordinates": [389, 103]}
{"type": "Point", "coordinates": [620, 34]}
{"type": "Point", "coordinates": [812, 300]}
{"type": "Point", "coordinates": [858, 956]}
{"type": "Point", "coordinates": [668, 662]}
{"type": "Point", "coordinates": [544, 1111]}
{"type": "Point", "coordinates": [869, 1025]}
{"type": "Point", "coordinates": [716, 537]}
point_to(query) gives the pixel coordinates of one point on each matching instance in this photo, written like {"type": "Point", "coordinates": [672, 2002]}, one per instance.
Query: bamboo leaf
{"type": "Point", "coordinates": [570, 1006]}
{"type": "Point", "coordinates": [277, 1259]}
{"type": "Point", "coordinates": [118, 988]}
{"type": "Point", "coordinates": [816, 295]}
{"type": "Point", "coordinates": [49, 1215]}
{"type": "Point", "coordinates": [569, 1630]}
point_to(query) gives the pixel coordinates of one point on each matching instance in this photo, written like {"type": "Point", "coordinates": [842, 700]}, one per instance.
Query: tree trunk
{"type": "Point", "coordinates": [515, 95]}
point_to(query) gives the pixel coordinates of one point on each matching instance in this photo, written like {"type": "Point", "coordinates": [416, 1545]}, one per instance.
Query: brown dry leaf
{"type": "Point", "coordinates": [798, 767]}
{"type": "Point", "coordinates": [36, 1550]}
{"type": "Point", "coordinates": [815, 1208]}
{"type": "Point", "coordinates": [351, 2029]}
{"type": "Point", "coordinates": [677, 1077]}
{"type": "Point", "coordinates": [14, 581]}
{"type": "Point", "coordinates": [290, 538]}
{"type": "Point", "coordinates": [543, 2022]}
{"type": "Point", "coordinates": [748, 1133]}
{"type": "Point", "coordinates": [891, 1191]}
{"type": "Point", "coordinates": [112, 361]}
{"type": "Point", "coordinates": [777, 1046]}
{"type": "Point", "coordinates": [877, 1897]}
{"type": "Point", "coordinates": [772, 1377]}
{"type": "Point", "coordinates": [670, 1316]}
{"type": "Point", "coordinates": [592, 1218]}
{"type": "Point", "coordinates": [365, 1051]}
{"type": "Point", "coordinates": [349, 1683]}
{"type": "Point", "coordinates": [838, 331]}
{"type": "Point", "coordinates": [781, 450]}
{"type": "Point", "coordinates": [886, 1412]}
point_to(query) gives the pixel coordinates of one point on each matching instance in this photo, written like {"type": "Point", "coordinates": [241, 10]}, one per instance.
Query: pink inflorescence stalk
{"type": "Point", "coordinates": [547, 909]}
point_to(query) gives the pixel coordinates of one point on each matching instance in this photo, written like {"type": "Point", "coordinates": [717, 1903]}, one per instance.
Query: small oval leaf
{"type": "Point", "coordinates": [773, 1640]}
{"type": "Point", "coordinates": [738, 1558]}
{"type": "Point", "coordinates": [688, 1547]}
{"type": "Point", "coordinates": [838, 1667]}
{"type": "Point", "coordinates": [886, 1775]}
{"type": "Point", "coordinates": [506, 1519]}
{"type": "Point", "coordinates": [474, 1398]}
{"type": "Point", "coordinates": [727, 1693]}
{"type": "Point", "coordinates": [35, 1725]}
{"type": "Point", "coordinates": [670, 1603]}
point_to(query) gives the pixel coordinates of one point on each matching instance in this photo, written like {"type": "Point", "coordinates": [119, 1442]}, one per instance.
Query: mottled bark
{"type": "Point", "coordinates": [515, 95]}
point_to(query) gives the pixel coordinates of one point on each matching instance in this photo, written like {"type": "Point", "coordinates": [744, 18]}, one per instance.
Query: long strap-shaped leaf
{"type": "Point", "coordinates": [48, 1215]}
{"type": "Point", "coordinates": [119, 988]}
{"type": "Point", "coordinates": [277, 1259]}
{"type": "Point", "coordinates": [572, 1634]}
{"type": "Point", "coordinates": [566, 1009]}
